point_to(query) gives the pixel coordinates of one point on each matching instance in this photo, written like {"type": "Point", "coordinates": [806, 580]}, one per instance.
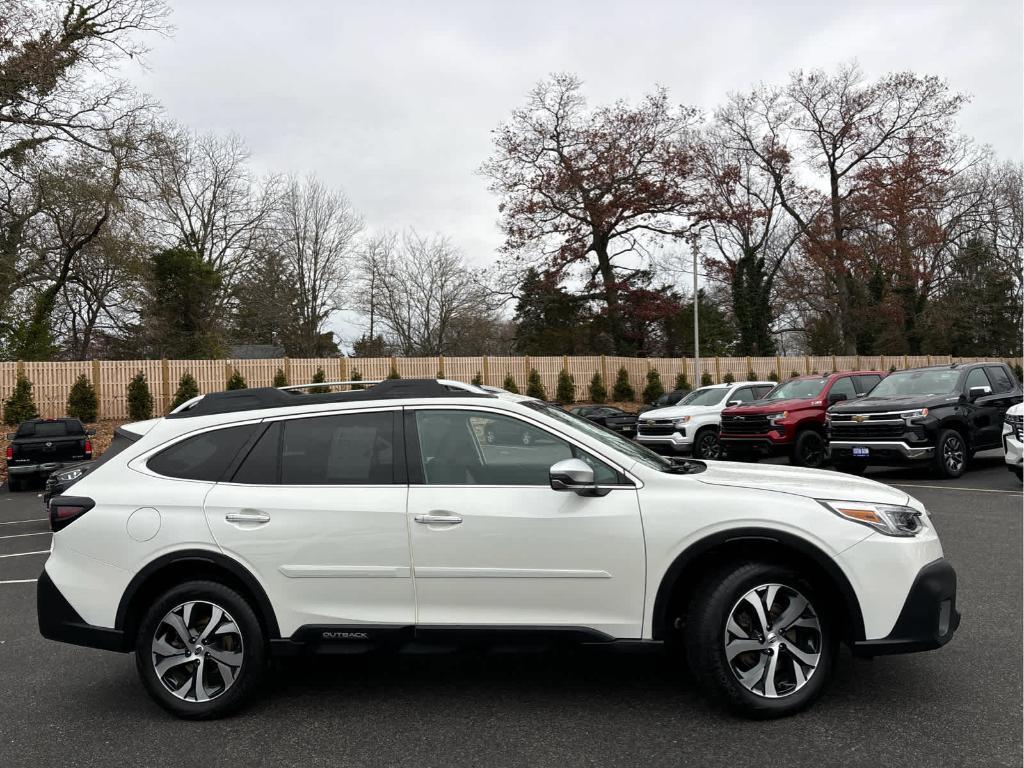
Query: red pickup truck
{"type": "Point", "coordinates": [790, 420]}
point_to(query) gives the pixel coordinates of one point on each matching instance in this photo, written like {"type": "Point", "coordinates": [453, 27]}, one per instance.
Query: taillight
{"type": "Point", "coordinates": [10, 452]}
{"type": "Point", "coordinates": [64, 510]}
{"type": "Point", "coordinates": [88, 447]}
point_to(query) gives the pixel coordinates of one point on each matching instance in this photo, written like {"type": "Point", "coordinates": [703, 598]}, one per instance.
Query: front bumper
{"type": "Point", "coordinates": [1013, 450]}
{"type": "Point", "coordinates": [58, 620]}
{"type": "Point", "coordinates": [929, 616]}
{"type": "Point", "coordinates": [678, 441]}
{"type": "Point", "coordinates": [897, 450]}
{"type": "Point", "coordinates": [24, 470]}
{"type": "Point", "coordinates": [760, 445]}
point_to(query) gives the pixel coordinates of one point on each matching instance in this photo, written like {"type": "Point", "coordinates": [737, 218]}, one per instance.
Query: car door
{"type": "Point", "coordinates": [843, 386]}
{"type": "Point", "coordinates": [494, 545]}
{"type": "Point", "coordinates": [742, 395]}
{"type": "Point", "coordinates": [986, 412]}
{"type": "Point", "coordinates": [316, 510]}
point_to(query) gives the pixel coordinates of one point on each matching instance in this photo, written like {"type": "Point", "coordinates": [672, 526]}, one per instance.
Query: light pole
{"type": "Point", "coordinates": [696, 323]}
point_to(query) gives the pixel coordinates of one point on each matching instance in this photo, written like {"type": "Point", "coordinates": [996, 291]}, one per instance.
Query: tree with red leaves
{"type": "Point", "coordinates": [592, 189]}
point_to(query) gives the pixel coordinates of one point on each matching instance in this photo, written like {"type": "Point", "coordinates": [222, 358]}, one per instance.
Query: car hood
{"type": "Point", "coordinates": [894, 403]}
{"type": "Point", "coordinates": [675, 411]}
{"type": "Point", "coordinates": [812, 483]}
{"type": "Point", "coordinates": [771, 406]}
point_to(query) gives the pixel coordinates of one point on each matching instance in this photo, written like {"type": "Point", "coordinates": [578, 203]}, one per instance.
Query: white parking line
{"type": "Point", "coordinates": [22, 535]}
{"type": "Point", "coordinates": [33, 520]}
{"type": "Point", "coordinates": [954, 488]}
{"type": "Point", "coordinates": [19, 581]}
{"type": "Point", "coordinates": [23, 554]}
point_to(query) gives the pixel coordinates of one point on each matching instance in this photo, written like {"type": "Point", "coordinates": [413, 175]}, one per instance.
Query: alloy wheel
{"type": "Point", "coordinates": [708, 446]}
{"type": "Point", "coordinates": [812, 452]}
{"type": "Point", "coordinates": [773, 640]}
{"type": "Point", "coordinates": [197, 651]}
{"type": "Point", "coordinates": [953, 454]}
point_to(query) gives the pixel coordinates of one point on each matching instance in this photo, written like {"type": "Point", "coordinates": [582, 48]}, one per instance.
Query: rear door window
{"type": "Point", "coordinates": [205, 456]}
{"type": "Point", "coordinates": [977, 378]}
{"type": "Point", "coordinates": [744, 395]}
{"type": "Point", "coordinates": [347, 449]}
{"type": "Point", "coordinates": [1001, 381]}
{"type": "Point", "coordinates": [866, 383]}
{"type": "Point", "coordinates": [843, 386]}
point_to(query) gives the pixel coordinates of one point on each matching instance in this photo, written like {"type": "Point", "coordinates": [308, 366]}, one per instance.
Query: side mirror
{"type": "Point", "coordinates": [731, 403]}
{"type": "Point", "coordinates": [573, 475]}
{"type": "Point", "coordinates": [975, 392]}
{"type": "Point", "coordinates": [11, 435]}
{"type": "Point", "coordinates": [836, 397]}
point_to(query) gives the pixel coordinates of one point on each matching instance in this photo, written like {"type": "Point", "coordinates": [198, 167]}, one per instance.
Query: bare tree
{"type": "Point", "coordinates": [316, 230]}
{"type": "Point", "coordinates": [424, 294]}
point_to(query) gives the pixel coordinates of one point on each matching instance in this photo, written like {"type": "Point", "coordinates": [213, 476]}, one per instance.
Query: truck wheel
{"type": "Point", "coordinates": [13, 484]}
{"type": "Point", "coordinates": [200, 650]}
{"type": "Point", "coordinates": [950, 454]}
{"type": "Point", "coordinates": [809, 450]}
{"type": "Point", "coordinates": [758, 639]}
{"type": "Point", "coordinates": [706, 445]}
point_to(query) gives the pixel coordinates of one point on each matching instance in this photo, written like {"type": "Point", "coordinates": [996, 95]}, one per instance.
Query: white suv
{"type": "Point", "coordinates": [1013, 443]}
{"type": "Point", "coordinates": [261, 522]}
{"type": "Point", "coordinates": [691, 426]}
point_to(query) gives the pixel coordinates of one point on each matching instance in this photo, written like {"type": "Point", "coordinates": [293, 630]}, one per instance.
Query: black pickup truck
{"type": "Point", "coordinates": [940, 415]}
{"type": "Point", "coordinates": [41, 446]}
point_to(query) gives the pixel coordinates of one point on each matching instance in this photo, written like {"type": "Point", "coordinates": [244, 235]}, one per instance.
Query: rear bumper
{"type": "Point", "coordinates": [880, 451]}
{"type": "Point", "coordinates": [20, 470]}
{"type": "Point", "coordinates": [929, 616]}
{"type": "Point", "coordinates": [59, 621]}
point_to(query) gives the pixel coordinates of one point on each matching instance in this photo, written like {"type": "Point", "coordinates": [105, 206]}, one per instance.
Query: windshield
{"type": "Point", "coordinates": [706, 396]}
{"type": "Point", "coordinates": [645, 456]}
{"type": "Point", "coordinates": [799, 389]}
{"type": "Point", "coordinates": [931, 382]}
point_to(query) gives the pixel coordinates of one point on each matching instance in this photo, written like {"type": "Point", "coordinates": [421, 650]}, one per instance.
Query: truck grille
{"type": "Point", "coordinates": [1016, 424]}
{"type": "Point", "coordinates": [655, 427]}
{"type": "Point", "coordinates": [745, 425]}
{"type": "Point", "coordinates": [866, 430]}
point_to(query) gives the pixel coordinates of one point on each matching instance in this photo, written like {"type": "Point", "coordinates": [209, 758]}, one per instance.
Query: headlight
{"type": "Point", "coordinates": [681, 421]}
{"type": "Point", "coordinates": [68, 475]}
{"type": "Point", "coordinates": [890, 519]}
{"type": "Point", "coordinates": [775, 418]}
{"type": "Point", "coordinates": [920, 413]}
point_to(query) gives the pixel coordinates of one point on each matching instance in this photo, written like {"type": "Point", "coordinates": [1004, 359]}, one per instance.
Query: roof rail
{"type": "Point", "coordinates": [330, 384]}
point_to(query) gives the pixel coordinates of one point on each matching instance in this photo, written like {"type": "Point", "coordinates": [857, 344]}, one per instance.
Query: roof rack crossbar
{"type": "Point", "coordinates": [365, 383]}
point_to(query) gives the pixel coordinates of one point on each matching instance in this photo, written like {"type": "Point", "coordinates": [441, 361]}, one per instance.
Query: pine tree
{"type": "Point", "coordinates": [393, 373]}
{"type": "Point", "coordinates": [236, 381]}
{"type": "Point", "coordinates": [706, 380]}
{"type": "Point", "coordinates": [751, 375]}
{"type": "Point", "coordinates": [478, 379]}
{"type": "Point", "coordinates": [793, 374]}
{"type": "Point", "coordinates": [534, 386]}
{"type": "Point", "coordinates": [187, 389]}
{"type": "Point", "coordinates": [598, 392]}
{"type": "Point", "coordinates": [728, 378]}
{"type": "Point", "coordinates": [82, 400]}
{"type": "Point", "coordinates": [566, 390]}
{"type": "Point", "coordinates": [623, 392]}
{"type": "Point", "coordinates": [509, 385]}
{"type": "Point", "coordinates": [682, 382]}
{"type": "Point", "coordinates": [773, 376]}
{"type": "Point", "coordinates": [654, 388]}
{"type": "Point", "coordinates": [280, 380]}
{"type": "Point", "coordinates": [140, 400]}
{"type": "Point", "coordinates": [318, 377]}
{"type": "Point", "coordinates": [356, 376]}
{"type": "Point", "coordinates": [1018, 371]}
{"type": "Point", "coordinates": [20, 406]}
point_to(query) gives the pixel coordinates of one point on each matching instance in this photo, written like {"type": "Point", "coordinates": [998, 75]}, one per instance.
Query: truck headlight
{"type": "Point", "coordinates": [775, 418]}
{"type": "Point", "coordinates": [890, 519]}
{"type": "Point", "coordinates": [681, 421]}
{"type": "Point", "coordinates": [909, 416]}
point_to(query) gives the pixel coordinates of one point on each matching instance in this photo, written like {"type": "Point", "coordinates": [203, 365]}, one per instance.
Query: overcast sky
{"type": "Point", "coordinates": [393, 102]}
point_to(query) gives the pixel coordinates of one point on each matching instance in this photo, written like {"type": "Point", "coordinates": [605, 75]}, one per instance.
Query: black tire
{"type": "Point", "coordinates": [808, 450]}
{"type": "Point", "coordinates": [706, 445]}
{"type": "Point", "coordinates": [253, 655]}
{"type": "Point", "coordinates": [14, 484]}
{"type": "Point", "coordinates": [851, 467]}
{"type": "Point", "coordinates": [717, 597]}
{"type": "Point", "coordinates": [951, 453]}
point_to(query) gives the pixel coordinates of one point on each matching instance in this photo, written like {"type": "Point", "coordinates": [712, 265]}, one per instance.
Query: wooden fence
{"type": "Point", "coordinates": [52, 380]}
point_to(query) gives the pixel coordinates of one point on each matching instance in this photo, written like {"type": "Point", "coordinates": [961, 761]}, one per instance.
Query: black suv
{"type": "Point", "coordinates": [940, 415]}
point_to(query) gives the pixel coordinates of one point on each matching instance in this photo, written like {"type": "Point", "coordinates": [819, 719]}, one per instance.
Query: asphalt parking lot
{"type": "Point", "coordinates": [961, 705]}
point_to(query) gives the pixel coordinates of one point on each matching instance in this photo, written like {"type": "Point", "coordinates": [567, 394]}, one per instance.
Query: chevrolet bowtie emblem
{"type": "Point", "coordinates": [859, 418]}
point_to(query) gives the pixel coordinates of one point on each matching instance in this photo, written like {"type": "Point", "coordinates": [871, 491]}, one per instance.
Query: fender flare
{"type": "Point", "coordinates": [205, 557]}
{"type": "Point", "coordinates": [662, 600]}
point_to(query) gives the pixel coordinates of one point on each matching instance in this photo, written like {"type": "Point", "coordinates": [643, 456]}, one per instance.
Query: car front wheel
{"type": "Point", "coordinates": [809, 450]}
{"type": "Point", "coordinates": [706, 445]}
{"type": "Point", "coordinates": [200, 650]}
{"type": "Point", "coordinates": [758, 639]}
{"type": "Point", "coordinates": [950, 454]}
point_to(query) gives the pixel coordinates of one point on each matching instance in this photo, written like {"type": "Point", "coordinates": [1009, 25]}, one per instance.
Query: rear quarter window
{"type": "Point", "coordinates": [205, 456]}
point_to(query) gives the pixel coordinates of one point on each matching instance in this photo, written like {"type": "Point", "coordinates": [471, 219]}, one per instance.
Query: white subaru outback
{"type": "Point", "coordinates": [261, 522]}
{"type": "Point", "coordinates": [692, 425]}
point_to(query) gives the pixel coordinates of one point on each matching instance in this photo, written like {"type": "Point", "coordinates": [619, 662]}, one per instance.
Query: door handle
{"type": "Point", "coordinates": [433, 518]}
{"type": "Point", "coordinates": [247, 517]}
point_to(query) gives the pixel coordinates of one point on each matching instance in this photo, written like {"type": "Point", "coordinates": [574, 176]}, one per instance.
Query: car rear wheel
{"type": "Point", "coordinates": [200, 650]}
{"type": "Point", "coordinates": [706, 445]}
{"type": "Point", "coordinates": [809, 450]}
{"type": "Point", "coordinates": [950, 458]}
{"type": "Point", "coordinates": [758, 639]}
